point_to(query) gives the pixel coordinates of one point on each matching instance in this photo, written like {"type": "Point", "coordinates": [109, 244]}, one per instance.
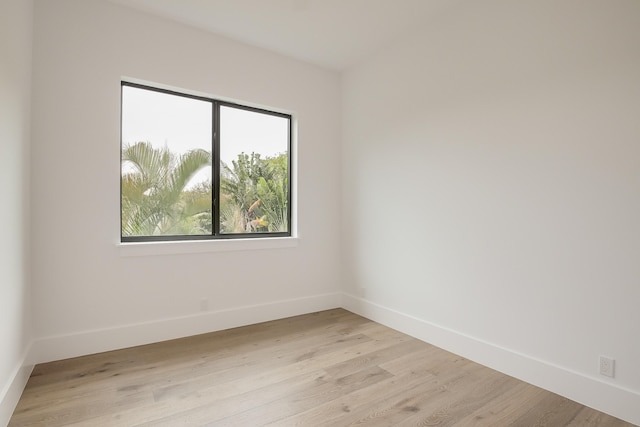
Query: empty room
{"type": "Point", "coordinates": [320, 212]}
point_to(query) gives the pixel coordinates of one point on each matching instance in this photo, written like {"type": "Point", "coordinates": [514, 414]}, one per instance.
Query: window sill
{"type": "Point", "coordinates": [204, 246]}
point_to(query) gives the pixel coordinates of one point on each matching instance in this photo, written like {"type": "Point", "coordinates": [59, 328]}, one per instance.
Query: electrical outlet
{"type": "Point", "coordinates": [607, 366]}
{"type": "Point", "coordinates": [204, 304]}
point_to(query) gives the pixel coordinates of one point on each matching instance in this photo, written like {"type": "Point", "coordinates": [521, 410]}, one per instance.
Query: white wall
{"type": "Point", "coordinates": [492, 190]}
{"type": "Point", "coordinates": [16, 26]}
{"type": "Point", "coordinates": [88, 294]}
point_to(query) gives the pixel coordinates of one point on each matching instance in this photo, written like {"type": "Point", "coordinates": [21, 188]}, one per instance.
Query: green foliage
{"type": "Point", "coordinates": [254, 194]}
{"type": "Point", "coordinates": [154, 200]}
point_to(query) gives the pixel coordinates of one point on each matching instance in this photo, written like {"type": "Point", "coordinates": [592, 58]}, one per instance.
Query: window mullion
{"type": "Point", "coordinates": [215, 169]}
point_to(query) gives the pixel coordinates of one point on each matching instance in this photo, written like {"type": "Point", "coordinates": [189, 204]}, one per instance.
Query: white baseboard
{"type": "Point", "coordinates": [83, 343]}
{"type": "Point", "coordinates": [10, 394]}
{"type": "Point", "coordinates": [590, 391]}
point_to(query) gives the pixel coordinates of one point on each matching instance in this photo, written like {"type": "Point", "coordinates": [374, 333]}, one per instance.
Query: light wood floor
{"type": "Point", "coordinates": [332, 368]}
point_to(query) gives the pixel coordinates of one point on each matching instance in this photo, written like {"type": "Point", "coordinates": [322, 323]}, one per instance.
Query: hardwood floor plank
{"type": "Point", "coordinates": [353, 407]}
{"type": "Point", "coordinates": [331, 368]}
{"type": "Point", "coordinates": [588, 417]}
{"type": "Point", "coordinates": [505, 408]}
{"type": "Point", "coordinates": [204, 407]}
{"type": "Point", "coordinates": [552, 410]}
{"type": "Point", "coordinates": [460, 401]}
{"type": "Point", "coordinates": [265, 410]}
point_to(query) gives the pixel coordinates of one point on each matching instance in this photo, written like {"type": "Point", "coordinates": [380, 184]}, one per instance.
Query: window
{"type": "Point", "coordinates": [200, 168]}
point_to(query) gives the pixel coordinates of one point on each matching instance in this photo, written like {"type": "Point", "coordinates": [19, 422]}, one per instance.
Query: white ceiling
{"type": "Point", "coordinates": [331, 33]}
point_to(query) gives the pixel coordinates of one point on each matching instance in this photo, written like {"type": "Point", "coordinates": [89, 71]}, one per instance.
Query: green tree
{"type": "Point", "coordinates": [273, 193]}
{"type": "Point", "coordinates": [254, 194]}
{"type": "Point", "coordinates": [154, 200]}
